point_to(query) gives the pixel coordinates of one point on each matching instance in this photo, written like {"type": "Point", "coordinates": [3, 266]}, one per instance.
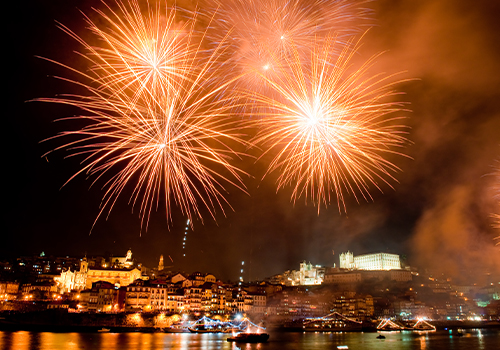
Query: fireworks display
{"type": "Point", "coordinates": [154, 120]}
{"type": "Point", "coordinates": [330, 126]}
{"type": "Point", "coordinates": [163, 115]}
{"type": "Point", "coordinates": [264, 33]}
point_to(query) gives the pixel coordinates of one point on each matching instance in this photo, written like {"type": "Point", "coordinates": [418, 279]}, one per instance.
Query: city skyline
{"type": "Point", "coordinates": [440, 209]}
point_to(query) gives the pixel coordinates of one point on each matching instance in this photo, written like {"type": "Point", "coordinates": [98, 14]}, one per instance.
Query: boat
{"type": "Point", "coordinates": [177, 328]}
{"type": "Point", "coordinates": [201, 328]}
{"type": "Point", "coordinates": [422, 325]}
{"type": "Point", "coordinates": [207, 325]}
{"type": "Point", "coordinates": [103, 330]}
{"type": "Point", "coordinates": [333, 322]}
{"type": "Point", "coordinates": [245, 337]}
{"type": "Point", "coordinates": [388, 325]}
{"type": "Point", "coordinates": [380, 336]}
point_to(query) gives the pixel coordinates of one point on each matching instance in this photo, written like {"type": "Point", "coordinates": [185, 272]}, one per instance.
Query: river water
{"type": "Point", "coordinates": [472, 339]}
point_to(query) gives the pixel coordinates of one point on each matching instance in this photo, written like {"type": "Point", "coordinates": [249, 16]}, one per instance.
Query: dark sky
{"type": "Point", "coordinates": [438, 214]}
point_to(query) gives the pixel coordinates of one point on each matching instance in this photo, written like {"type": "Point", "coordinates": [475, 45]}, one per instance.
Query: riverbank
{"type": "Point", "coordinates": [64, 321]}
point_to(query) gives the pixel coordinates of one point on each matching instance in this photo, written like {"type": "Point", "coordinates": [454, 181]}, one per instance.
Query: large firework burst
{"type": "Point", "coordinates": [156, 121]}
{"type": "Point", "coordinates": [331, 125]}
{"type": "Point", "coordinates": [265, 33]}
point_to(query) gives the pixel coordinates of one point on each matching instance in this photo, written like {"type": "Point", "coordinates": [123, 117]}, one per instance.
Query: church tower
{"type": "Point", "coordinates": [347, 260]}
{"type": "Point", "coordinates": [160, 265]}
{"type": "Point", "coordinates": [84, 265]}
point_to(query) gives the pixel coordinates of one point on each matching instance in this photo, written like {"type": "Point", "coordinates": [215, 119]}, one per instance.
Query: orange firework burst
{"type": "Point", "coordinates": [265, 33]}
{"type": "Point", "coordinates": [156, 120]}
{"type": "Point", "coordinates": [139, 52]}
{"type": "Point", "coordinates": [331, 125]}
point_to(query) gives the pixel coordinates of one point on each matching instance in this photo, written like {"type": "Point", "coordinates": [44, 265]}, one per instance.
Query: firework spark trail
{"type": "Point", "coordinates": [263, 31]}
{"type": "Point", "coordinates": [163, 132]}
{"type": "Point", "coordinates": [331, 127]}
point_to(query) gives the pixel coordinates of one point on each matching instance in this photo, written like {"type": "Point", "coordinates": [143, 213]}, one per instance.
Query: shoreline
{"type": "Point", "coordinates": [63, 322]}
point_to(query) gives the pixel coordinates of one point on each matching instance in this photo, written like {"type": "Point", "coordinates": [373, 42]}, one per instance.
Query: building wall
{"type": "Point", "coordinates": [137, 297]}
{"type": "Point", "coordinates": [175, 303]}
{"type": "Point", "coordinates": [121, 276]}
{"type": "Point", "coordinates": [353, 277]}
{"type": "Point", "coordinates": [8, 290]}
{"type": "Point", "coordinates": [159, 294]}
{"type": "Point", "coordinates": [347, 260]}
{"type": "Point", "coordinates": [377, 261]}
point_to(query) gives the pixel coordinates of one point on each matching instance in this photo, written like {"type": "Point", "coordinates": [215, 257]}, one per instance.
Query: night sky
{"type": "Point", "coordinates": [437, 215]}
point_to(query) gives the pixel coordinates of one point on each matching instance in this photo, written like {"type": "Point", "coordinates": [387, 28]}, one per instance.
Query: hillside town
{"type": "Point", "coordinates": [366, 287]}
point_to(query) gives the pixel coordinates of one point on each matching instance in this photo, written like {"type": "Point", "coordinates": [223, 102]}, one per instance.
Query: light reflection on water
{"type": "Point", "coordinates": [441, 340]}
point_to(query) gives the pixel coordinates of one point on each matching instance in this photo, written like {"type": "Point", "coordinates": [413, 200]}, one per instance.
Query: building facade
{"type": "Point", "coordinates": [377, 261]}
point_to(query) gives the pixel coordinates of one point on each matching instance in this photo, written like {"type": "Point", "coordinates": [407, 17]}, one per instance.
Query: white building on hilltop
{"type": "Point", "coordinates": [377, 261]}
{"type": "Point", "coordinates": [311, 274]}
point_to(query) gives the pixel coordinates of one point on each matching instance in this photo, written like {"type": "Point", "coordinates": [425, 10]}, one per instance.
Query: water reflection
{"type": "Point", "coordinates": [248, 346]}
{"type": "Point", "coordinates": [423, 344]}
{"type": "Point", "coordinates": [441, 340]}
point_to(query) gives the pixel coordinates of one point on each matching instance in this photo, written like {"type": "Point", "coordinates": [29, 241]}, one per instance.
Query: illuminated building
{"type": "Point", "coordinates": [192, 298]}
{"type": "Point", "coordinates": [119, 276]}
{"type": "Point", "coordinates": [256, 303]}
{"type": "Point", "coordinates": [8, 290]}
{"type": "Point", "coordinates": [307, 275]}
{"type": "Point", "coordinates": [198, 278]}
{"type": "Point", "coordinates": [102, 297]}
{"type": "Point", "coordinates": [146, 296]}
{"type": "Point", "coordinates": [160, 265]}
{"type": "Point", "coordinates": [352, 305]}
{"type": "Point", "coordinates": [119, 272]}
{"type": "Point", "coordinates": [38, 290]}
{"type": "Point", "coordinates": [377, 261]}
{"type": "Point", "coordinates": [310, 275]}
{"type": "Point", "coordinates": [175, 302]}
{"type": "Point", "coordinates": [138, 296]}
{"type": "Point", "coordinates": [72, 280]}
{"type": "Point", "coordinates": [159, 296]}
{"type": "Point", "coordinates": [121, 262]}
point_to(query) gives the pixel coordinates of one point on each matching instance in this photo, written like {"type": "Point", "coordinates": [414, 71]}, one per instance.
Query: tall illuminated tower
{"type": "Point", "coordinates": [160, 265]}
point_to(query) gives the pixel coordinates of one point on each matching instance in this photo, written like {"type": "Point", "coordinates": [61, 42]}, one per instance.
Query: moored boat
{"type": "Point", "coordinates": [333, 322]}
{"type": "Point", "coordinates": [201, 328]}
{"type": "Point", "coordinates": [177, 328]}
{"type": "Point", "coordinates": [422, 325]}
